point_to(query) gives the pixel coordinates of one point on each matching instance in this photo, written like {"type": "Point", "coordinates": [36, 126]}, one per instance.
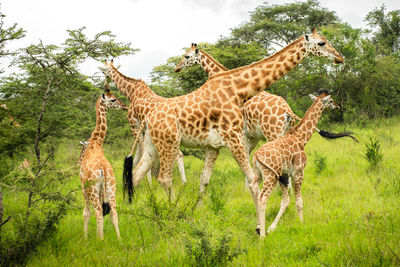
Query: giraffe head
{"type": "Point", "coordinates": [319, 46]}
{"type": "Point", "coordinates": [108, 100]}
{"type": "Point", "coordinates": [106, 70]}
{"type": "Point", "coordinates": [327, 101]}
{"type": "Point", "coordinates": [191, 57]}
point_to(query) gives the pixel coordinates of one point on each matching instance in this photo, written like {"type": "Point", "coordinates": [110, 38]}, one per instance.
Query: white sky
{"type": "Point", "coordinates": [159, 28]}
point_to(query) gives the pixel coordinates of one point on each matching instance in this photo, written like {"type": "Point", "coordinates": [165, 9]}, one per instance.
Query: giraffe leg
{"type": "Point", "coordinates": [270, 180]}
{"type": "Point", "coordinates": [251, 143]}
{"type": "Point", "coordinates": [168, 155]}
{"type": "Point", "coordinates": [284, 204]}
{"type": "Point", "coordinates": [114, 215]}
{"type": "Point", "coordinates": [235, 142]}
{"type": "Point", "coordinates": [209, 160]}
{"type": "Point", "coordinates": [99, 216]}
{"type": "Point", "coordinates": [146, 161]}
{"type": "Point", "coordinates": [86, 214]}
{"type": "Point", "coordinates": [298, 180]}
{"type": "Point", "coordinates": [254, 188]}
{"type": "Point", "coordinates": [181, 166]}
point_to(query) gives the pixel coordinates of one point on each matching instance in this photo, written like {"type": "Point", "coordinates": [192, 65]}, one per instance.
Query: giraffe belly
{"type": "Point", "coordinates": [211, 138]}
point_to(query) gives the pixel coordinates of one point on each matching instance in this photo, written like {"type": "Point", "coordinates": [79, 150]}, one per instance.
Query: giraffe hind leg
{"type": "Point", "coordinates": [284, 204]}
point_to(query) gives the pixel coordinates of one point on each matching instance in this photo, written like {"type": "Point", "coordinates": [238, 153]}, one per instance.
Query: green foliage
{"type": "Point", "coordinates": [320, 163]}
{"type": "Point", "coordinates": [281, 24]}
{"type": "Point", "coordinates": [202, 249]}
{"type": "Point", "coordinates": [218, 195]}
{"type": "Point", "coordinates": [373, 152]}
{"type": "Point", "coordinates": [8, 34]}
{"type": "Point", "coordinates": [387, 35]}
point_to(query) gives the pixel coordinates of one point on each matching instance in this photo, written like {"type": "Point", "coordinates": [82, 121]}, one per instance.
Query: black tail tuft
{"type": "Point", "coordinates": [330, 135]}
{"type": "Point", "coordinates": [106, 208]}
{"type": "Point", "coordinates": [127, 178]}
{"type": "Point", "coordinates": [284, 179]}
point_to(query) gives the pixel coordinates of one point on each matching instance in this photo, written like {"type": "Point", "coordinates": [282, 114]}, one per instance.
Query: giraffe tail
{"type": "Point", "coordinates": [105, 205]}
{"type": "Point", "coordinates": [330, 135]}
{"type": "Point", "coordinates": [127, 178]}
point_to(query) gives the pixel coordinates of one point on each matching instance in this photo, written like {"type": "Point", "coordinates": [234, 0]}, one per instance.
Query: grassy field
{"type": "Point", "coordinates": [351, 214]}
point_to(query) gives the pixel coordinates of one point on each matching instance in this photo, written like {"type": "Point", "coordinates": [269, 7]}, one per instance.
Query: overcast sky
{"type": "Point", "coordinates": [159, 28]}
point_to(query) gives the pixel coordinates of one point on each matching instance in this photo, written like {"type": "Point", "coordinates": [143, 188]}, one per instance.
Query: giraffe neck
{"type": "Point", "coordinates": [210, 65]}
{"type": "Point", "coordinates": [309, 122]}
{"type": "Point", "coordinates": [256, 77]}
{"type": "Point", "coordinates": [100, 129]}
{"type": "Point", "coordinates": [130, 87]}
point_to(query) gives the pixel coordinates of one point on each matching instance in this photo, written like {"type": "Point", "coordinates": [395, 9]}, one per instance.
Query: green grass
{"type": "Point", "coordinates": [351, 214]}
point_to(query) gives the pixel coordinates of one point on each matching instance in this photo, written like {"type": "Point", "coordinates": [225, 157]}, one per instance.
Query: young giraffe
{"type": "Point", "coordinates": [286, 155]}
{"type": "Point", "coordinates": [210, 117]}
{"type": "Point", "coordinates": [96, 174]}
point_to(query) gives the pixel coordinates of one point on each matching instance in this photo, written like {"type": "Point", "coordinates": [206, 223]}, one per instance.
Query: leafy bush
{"type": "Point", "coordinates": [320, 163]}
{"type": "Point", "coordinates": [373, 153]}
{"type": "Point", "coordinates": [202, 250]}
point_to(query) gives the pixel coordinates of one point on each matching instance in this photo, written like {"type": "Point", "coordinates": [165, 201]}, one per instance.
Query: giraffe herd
{"type": "Point", "coordinates": [229, 110]}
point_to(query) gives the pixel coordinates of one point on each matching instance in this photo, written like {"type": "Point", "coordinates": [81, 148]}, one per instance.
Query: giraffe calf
{"type": "Point", "coordinates": [285, 156]}
{"type": "Point", "coordinates": [96, 173]}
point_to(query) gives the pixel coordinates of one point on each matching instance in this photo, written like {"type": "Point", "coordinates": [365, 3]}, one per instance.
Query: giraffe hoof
{"type": "Point", "coordinates": [258, 229]}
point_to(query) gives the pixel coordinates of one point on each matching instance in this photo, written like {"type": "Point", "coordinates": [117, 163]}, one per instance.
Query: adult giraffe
{"type": "Point", "coordinates": [210, 117]}
{"type": "Point", "coordinates": [267, 116]}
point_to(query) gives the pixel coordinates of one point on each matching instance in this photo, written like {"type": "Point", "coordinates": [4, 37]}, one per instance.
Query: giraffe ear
{"type": "Point", "coordinates": [196, 51]}
{"type": "Point", "coordinates": [313, 97]}
{"type": "Point", "coordinates": [103, 96]}
{"type": "Point", "coordinates": [307, 38]}
{"type": "Point", "coordinates": [326, 98]}
{"type": "Point", "coordinates": [102, 69]}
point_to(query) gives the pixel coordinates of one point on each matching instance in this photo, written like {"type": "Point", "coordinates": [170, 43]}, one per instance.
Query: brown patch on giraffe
{"type": "Point", "coordinates": [281, 73]}
{"type": "Point", "coordinates": [215, 115]}
{"type": "Point", "coordinates": [246, 75]}
{"type": "Point", "coordinates": [267, 82]}
{"type": "Point", "coordinates": [277, 65]}
{"type": "Point", "coordinates": [216, 70]}
{"type": "Point", "coordinates": [270, 66]}
{"type": "Point", "coordinates": [287, 67]}
{"type": "Point", "coordinates": [208, 61]}
{"type": "Point", "coordinates": [240, 83]}
{"type": "Point", "coordinates": [226, 82]}
{"type": "Point", "coordinates": [275, 76]}
{"type": "Point", "coordinates": [298, 56]}
{"type": "Point", "coordinates": [265, 72]}
{"type": "Point", "coordinates": [204, 124]}
{"type": "Point", "coordinates": [253, 73]}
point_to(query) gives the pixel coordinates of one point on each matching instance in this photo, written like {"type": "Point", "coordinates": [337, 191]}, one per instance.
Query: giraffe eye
{"type": "Point", "coordinates": [186, 57]}
{"type": "Point", "coordinates": [321, 43]}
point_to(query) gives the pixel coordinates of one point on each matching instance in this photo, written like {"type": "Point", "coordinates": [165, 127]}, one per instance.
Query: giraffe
{"type": "Point", "coordinates": [210, 117]}
{"type": "Point", "coordinates": [267, 116]}
{"type": "Point", "coordinates": [96, 173]}
{"type": "Point", "coordinates": [286, 155]}
{"type": "Point", "coordinates": [133, 91]}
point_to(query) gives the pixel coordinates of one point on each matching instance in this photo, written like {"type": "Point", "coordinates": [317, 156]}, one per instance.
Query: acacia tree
{"type": "Point", "coordinates": [6, 34]}
{"type": "Point", "coordinates": [49, 97]}
{"type": "Point", "coordinates": [386, 28]}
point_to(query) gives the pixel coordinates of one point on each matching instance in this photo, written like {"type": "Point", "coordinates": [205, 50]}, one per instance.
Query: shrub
{"type": "Point", "coordinates": [373, 153]}
{"type": "Point", "coordinates": [320, 163]}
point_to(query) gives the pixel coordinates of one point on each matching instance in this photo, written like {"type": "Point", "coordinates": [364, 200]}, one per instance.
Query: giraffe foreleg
{"type": "Point", "coordinates": [168, 155]}
{"type": "Point", "coordinates": [181, 166]}
{"type": "Point", "coordinates": [270, 180]}
{"type": "Point", "coordinates": [209, 160]}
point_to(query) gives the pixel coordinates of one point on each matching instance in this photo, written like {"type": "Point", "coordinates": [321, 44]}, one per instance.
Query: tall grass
{"type": "Point", "coordinates": [351, 214]}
